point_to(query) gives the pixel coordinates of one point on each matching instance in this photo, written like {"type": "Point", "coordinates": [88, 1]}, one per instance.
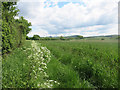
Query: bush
{"type": "Point", "coordinates": [102, 39]}
{"type": "Point", "coordinates": [36, 37]}
{"type": "Point", "coordinates": [14, 31]}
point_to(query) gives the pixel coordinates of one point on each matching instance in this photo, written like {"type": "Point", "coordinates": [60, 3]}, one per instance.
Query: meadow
{"type": "Point", "coordinates": [84, 63]}
{"type": "Point", "coordinates": [54, 62]}
{"type": "Point", "coordinates": [62, 64]}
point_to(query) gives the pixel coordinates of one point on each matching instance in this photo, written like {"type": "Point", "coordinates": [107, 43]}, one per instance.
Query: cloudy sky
{"type": "Point", "coordinates": [70, 17]}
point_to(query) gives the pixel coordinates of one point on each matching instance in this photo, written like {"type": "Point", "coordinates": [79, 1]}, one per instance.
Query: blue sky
{"type": "Point", "coordinates": [83, 17]}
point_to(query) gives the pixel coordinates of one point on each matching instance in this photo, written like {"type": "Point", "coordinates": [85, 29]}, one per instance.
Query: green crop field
{"type": "Point", "coordinates": [66, 64]}
{"type": "Point", "coordinates": [81, 64]}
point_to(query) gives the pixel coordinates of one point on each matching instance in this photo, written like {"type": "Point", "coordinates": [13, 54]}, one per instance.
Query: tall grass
{"type": "Point", "coordinates": [26, 67]}
{"type": "Point", "coordinates": [94, 62]}
{"type": "Point", "coordinates": [15, 69]}
{"type": "Point", "coordinates": [67, 64]}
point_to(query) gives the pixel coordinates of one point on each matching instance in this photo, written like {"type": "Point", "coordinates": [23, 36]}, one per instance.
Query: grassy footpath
{"type": "Point", "coordinates": [66, 75]}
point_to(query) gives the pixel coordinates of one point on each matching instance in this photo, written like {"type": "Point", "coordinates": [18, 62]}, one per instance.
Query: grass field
{"type": "Point", "coordinates": [72, 64]}
{"type": "Point", "coordinates": [84, 63]}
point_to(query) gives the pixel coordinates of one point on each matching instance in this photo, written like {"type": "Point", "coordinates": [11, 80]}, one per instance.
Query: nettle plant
{"type": "Point", "coordinates": [39, 58]}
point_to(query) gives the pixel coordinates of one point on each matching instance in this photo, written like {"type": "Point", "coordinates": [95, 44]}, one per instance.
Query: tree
{"type": "Point", "coordinates": [62, 38]}
{"type": "Point", "coordinates": [102, 39]}
{"type": "Point", "coordinates": [24, 25]}
{"type": "Point", "coordinates": [118, 37]}
{"type": "Point", "coordinates": [36, 37]}
{"type": "Point", "coordinates": [13, 31]}
{"type": "Point", "coordinates": [8, 13]}
{"type": "Point", "coordinates": [80, 37]}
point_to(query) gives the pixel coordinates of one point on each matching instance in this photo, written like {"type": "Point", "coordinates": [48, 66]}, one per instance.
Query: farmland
{"type": "Point", "coordinates": [94, 63]}
{"type": "Point", "coordinates": [58, 46]}
{"type": "Point", "coordinates": [67, 64]}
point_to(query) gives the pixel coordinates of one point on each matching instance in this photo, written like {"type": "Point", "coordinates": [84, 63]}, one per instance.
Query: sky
{"type": "Point", "coordinates": [70, 17]}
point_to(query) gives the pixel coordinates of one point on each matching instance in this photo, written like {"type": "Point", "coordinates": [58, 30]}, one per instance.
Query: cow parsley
{"type": "Point", "coordinates": [39, 58]}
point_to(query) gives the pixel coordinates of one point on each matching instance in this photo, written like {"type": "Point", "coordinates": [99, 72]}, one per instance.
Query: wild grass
{"type": "Point", "coordinates": [26, 67]}
{"type": "Point", "coordinates": [14, 73]}
{"type": "Point", "coordinates": [68, 64]}
{"type": "Point", "coordinates": [95, 63]}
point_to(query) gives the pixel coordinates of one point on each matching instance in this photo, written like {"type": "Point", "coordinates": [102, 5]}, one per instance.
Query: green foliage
{"type": "Point", "coordinates": [36, 37]}
{"type": "Point", "coordinates": [13, 31]}
{"type": "Point", "coordinates": [80, 37]}
{"type": "Point", "coordinates": [16, 69]}
{"type": "Point", "coordinates": [62, 38]}
{"type": "Point", "coordinates": [94, 62]}
{"type": "Point", "coordinates": [66, 75]}
{"type": "Point", "coordinates": [26, 67]}
{"type": "Point", "coordinates": [102, 39]}
{"type": "Point", "coordinates": [24, 25]}
{"type": "Point", "coordinates": [48, 38]}
{"type": "Point", "coordinates": [118, 37]}
{"type": "Point", "coordinates": [27, 38]}
{"type": "Point", "coordinates": [56, 38]}
{"type": "Point", "coordinates": [74, 64]}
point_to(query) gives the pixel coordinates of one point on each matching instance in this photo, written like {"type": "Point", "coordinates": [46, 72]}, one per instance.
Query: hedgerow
{"type": "Point", "coordinates": [14, 31]}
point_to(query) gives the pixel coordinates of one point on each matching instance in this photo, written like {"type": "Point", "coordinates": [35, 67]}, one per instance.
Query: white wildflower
{"type": "Point", "coordinates": [39, 58]}
{"type": "Point", "coordinates": [33, 66]}
{"type": "Point", "coordinates": [38, 85]}
{"type": "Point", "coordinates": [51, 80]}
{"type": "Point", "coordinates": [40, 68]}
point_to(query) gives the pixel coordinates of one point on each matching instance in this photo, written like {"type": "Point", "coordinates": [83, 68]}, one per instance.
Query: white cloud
{"type": "Point", "coordinates": [100, 16]}
{"type": "Point", "coordinates": [42, 33]}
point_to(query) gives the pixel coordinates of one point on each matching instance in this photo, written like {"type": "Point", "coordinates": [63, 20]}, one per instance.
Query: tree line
{"type": "Point", "coordinates": [14, 31]}
{"type": "Point", "coordinates": [37, 37]}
